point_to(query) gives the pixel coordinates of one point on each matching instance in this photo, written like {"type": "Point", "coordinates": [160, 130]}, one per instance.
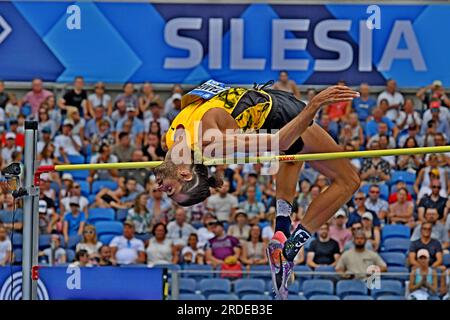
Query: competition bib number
{"type": "Point", "coordinates": [208, 90]}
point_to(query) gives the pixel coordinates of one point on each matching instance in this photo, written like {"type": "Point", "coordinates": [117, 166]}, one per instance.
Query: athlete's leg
{"type": "Point", "coordinates": [344, 179]}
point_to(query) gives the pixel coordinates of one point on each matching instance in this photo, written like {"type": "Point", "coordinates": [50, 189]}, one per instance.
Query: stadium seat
{"type": "Point", "coordinates": [79, 174]}
{"type": "Point", "coordinates": [100, 214]}
{"type": "Point", "coordinates": [395, 231]}
{"type": "Point", "coordinates": [187, 285]}
{"type": "Point", "coordinates": [85, 187]}
{"type": "Point", "coordinates": [357, 297]}
{"type": "Point", "coordinates": [260, 272]}
{"type": "Point", "coordinates": [121, 215]}
{"type": "Point", "coordinates": [303, 273]}
{"type": "Point", "coordinates": [55, 186]}
{"type": "Point", "coordinates": [249, 286]}
{"type": "Point", "coordinates": [446, 260]}
{"type": "Point", "coordinates": [403, 277]}
{"type": "Point", "coordinates": [324, 297]}
{"type": "Point", "coordinates": [75, 159]}
{"type": "Point", "coordinates": [70, 255]}
{"type": "Point", "coordinates": [350, 287]}
{"type": "Point", "coordinates": [391, 298]}
{"type": "Point", "coordinates": [73, 241]}
{"type": "Point", "coordinates": [223, 296]}
{"type": "Point", "coordinates": [296, 297]}
{"type": "Point", "coordinates": [16, 240]}
{"type": "Point", "coordinates": [293, 287]}
{"type": "Point", "coordinates": [17, 256]}
{"type": "Point", "coordinates": [388, 287]}
{"type": "Point", "coordinates": [109, 227]}
{"type": "Point", "coordinates": [317, 286]}
{"type": "Point", "coordinates": [394, 259]}
{"type": "Point", "coordinates": [408, 177]}
{"type": "Point", "coordinates": [106, 238]}
{"type": "Point", "coordinates": [396, 245]}
{"type": "Point", "coordinates": [260, 297]}
{"type": "Point", "coordinates": [197, 271]}
{"type": "Point", "coordinates": [325, 269]}
{"type": "Point", "coordinates": [214, 286]}
{"type": "Point", "coordinates": [191, 296]}
{"type": "Point", "coordinates": [100, 184]}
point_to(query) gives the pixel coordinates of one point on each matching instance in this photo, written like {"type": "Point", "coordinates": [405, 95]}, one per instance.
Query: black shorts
{"type": "Point", "coordinates": [285, 107]}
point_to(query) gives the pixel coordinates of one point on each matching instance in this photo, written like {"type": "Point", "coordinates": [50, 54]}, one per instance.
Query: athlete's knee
{"type": "Point", "coordinates": [349, 180]}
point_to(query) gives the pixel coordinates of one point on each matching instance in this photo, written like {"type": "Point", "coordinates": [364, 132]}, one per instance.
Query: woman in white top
{"type": "Point", "coordinates": [240, 229]}
{"type": "Point", "coordinates": [192, 253]}
{"type": "Point", "coordinates": [89, 242]}
{"type": "Point", "coordinates": [161, 250]}
{"type": "Point", "coordinates": [254, 250]}
{"type": "Point", "coordinates": [99, 98]}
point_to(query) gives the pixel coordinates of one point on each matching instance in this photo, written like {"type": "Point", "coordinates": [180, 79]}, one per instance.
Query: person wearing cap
{"type": "Point", "coordinates": [423, 279]}
{"type": "Point", "coordinates": [394, 98]}
{"type": "Point", "coordinates": [9, 147]}
{"type": "Point", "coordinates": [66, 142]}
{"type": "Point", "coordinates": [425, 241]}
{"type": "Point", "coordinates": [206, 232]}
{"type": "Point", "coordinates": [221, 247]}
{"type": "Point", "coordinates": [240, 229]}
{"type": "Point", "coordinates": [223, 204]}
{"type": "Point", "coordinates": [338, 230]}
{"type": "Point", "coordinates": [434, 90]}
{"type": "Point", "coordinates": [44, 218]}
{"type": "Point", "coordinates": [323, 251]}
{"type": "Point", "coordinates": [74, 220]}
{"type": "Point", "coordinates": [176, 107]}
{"type": "Point", "coordinates": [401, 211]}
{"type": "Point", "coordinates": [127, 249]}
{"type": "Point", "coordinates": [436, 122]}
{"type": "Point", "coordinates": [373, 233]}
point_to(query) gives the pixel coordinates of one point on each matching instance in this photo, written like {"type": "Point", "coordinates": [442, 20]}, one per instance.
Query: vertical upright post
{"type": "Point", "coordinates": [31, 215]}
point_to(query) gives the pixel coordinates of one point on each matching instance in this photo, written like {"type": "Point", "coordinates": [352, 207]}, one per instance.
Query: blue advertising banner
{"type": "Point", "coordinates": [97, 283]}
{"type": "Point", "coordinates": [232, 43]}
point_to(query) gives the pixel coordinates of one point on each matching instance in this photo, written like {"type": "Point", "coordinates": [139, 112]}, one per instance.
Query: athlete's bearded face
{"type": "Point", "coordinates": [170, 179]}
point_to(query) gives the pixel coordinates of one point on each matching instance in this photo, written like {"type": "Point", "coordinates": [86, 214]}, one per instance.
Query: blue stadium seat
{"type": "Point", "coordinates": [260, 297]}
{"type": "Point", "coordinates": [394, 259]}
{"type": "Point", "coordinates": [17, 256]}
{"type": "Point", "coordinates": [17, 240]}
{"type": "Point", "coordinates": [191, 296]}
{"type": "Point", "coordinates": [100, 214]}
{"type": "Point", "coordinates": [75, 159]}
{"type": "Point", "coordinates": [85, 187]}
{"type": "Point", "coordinates": [395, 231]}
{"type": "Point", "coordinates": [261, 272]}
{"type": "Point", "coordinates": [91, 198]}
{"type": "Point", "coordinates": [79, 174]}
{"type": "Point", "coordinates": [293, 287]}
{"type": "Point", "coordinates": [73, 241]}
{"type": "Point", "coordinates": [396, 245]}
{"type": "Point", "coordinates": [388, 287]}
{"type": "Point", "coordinates": [317, 286]}
{"type": "Point", "coordinates": [121, 215]}
{"type": "Point", "coordinates": [446, 260]}
{"type": "Point", "coordinates": [403, 277]}
{"type": "Point", "coordinates": [357, 297]}
{"type": "Point", "coordinates": [300, 271]}
{"type": "Point", "coordinates": [391, 298]}
{"type": "Point", "coordinates": [106, 238]}
{"type": "Point", "coordinates": [214, 286]}
{"type": "Point", "coordinates": [296, 297]}
{"type": "Point", "coordinates": [197, 271]}
{"type": "Point", "coordinates": [249, 286]}
{"type": "Point", "coordinates": [70, 255]}
{"type": "Point", "coordinates": [100, 184]}
{"type": "Point", "coordinates": [324, 297]}
{"type": "Point", "coordinates": [109, 227]}
{"type": "Point", "coordinates": [350, 287]}
{"type": "Point", "coordinates": [223, 296]}
{"type": "Point", "coordinates": [55, 186]}
{"type": "Point", "coordinates": [187, 285]}
{"type": "Point", "coordinates": [325, 269]}
{"type": "Point", "coordinates": [408, 177]}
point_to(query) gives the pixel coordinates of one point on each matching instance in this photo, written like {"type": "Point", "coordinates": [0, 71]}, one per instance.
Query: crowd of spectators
{"type": "Point", "coordinates": [231, 228]}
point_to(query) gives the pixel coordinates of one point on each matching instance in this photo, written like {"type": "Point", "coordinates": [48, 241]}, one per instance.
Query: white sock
{"type": "Point", "coordinates": [284, 208]}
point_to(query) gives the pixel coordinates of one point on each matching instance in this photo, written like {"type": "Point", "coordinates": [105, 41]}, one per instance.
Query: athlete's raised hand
{"type": "Point", "coordinates": [334, 94]}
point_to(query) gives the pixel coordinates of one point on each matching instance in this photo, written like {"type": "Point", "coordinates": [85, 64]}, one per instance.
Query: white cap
{"type": "Point", "coordinates": [437, 83]}
{"type": "Point", "coordinates": [74, 200]}
{"type": "Point", "coordinates": [423, 253]}
{"type": "Point", "coordinates": [340, 213]}
{"type": "Point", "coordinates": [45, 177]}
{"type": "Point", "coordinates": [176, 96]}
{"type": "Point", "coordinates": [67, 176]}
{"type": "Point", "coordinates": [11, 135]}
{"type": "Point", "coordinates": [367, 215]}
{"type": "Point", "coordinates": [68, 122]}
{"type": "Point", "coordinates": [42, 206]}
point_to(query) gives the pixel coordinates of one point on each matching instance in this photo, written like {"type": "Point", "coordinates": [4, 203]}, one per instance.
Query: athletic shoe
{"type": "Point", "coordinates": [297, 240]}
{"type": "Point", "coordinates": [281, 269]}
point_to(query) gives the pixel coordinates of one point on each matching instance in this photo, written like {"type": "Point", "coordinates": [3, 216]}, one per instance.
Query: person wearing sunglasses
{"type": "Point", "coordinates": [350, 244]}
{"type": "Point", "coordinates": [375, 203]}
{"type": "Point", "coordinates": [426, 242]}
{"type": "Point", "coordinates": [89, 242]}
{"type": "Point", "coordinates": [438, 231]}
{"type": "Point", "coordinates": [433, 200]}
{"type": "Point", "coordinates": [360, 209]}
{"type": "Point", "coordinates": [206, 232]}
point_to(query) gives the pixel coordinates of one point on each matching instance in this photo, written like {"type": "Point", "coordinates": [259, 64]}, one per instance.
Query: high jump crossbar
{"type": "Point", "coordinates": [258, 159]}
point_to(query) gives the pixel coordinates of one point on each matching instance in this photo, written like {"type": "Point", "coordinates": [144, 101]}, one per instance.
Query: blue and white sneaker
{"type": "Point", "coordinates": [295, 242]}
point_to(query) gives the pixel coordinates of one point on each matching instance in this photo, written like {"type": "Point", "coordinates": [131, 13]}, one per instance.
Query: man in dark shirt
{"type": "Point", "coordinates": [426, 242]}
{"type": "Point", "coordinates": [3, 95]}
{"type": "Point", "coordinates": [75, 98]}
{"type": "Point", "coordinates": [323, 250]}
{"type": "Point", "coordinates": [433, 200]}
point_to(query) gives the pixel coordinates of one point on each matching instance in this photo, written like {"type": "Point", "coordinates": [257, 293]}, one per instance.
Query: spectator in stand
{"type": "Point", "coordinates": [146, 98]}
{"type": "Point", "coordinates": [12, 109]}
{"type": "Point", "coordinates": [141, 217]}
{"type": "Point", "coordinates": [106, 257]}
{"type": "Point", "coordinates": [123, 149]}
{"type": "Point", "coordinates": [401, 211]}
{"type": "Point", "coordinates": [393, 195]}
{"type": "Point", "coordinates": [178, 231]}
{"type": "Point", "coordinates": [375, 170]}
{"type": "Point", "coordinates": [44, 218]}
{"type": "Point", "coordinates": [206, 232]}
{"type": "Point", "coordinates": [356, 262]}
{"type": "Point", "coordinates": [153, 149]}
{"type": "Point", "coordinates": [132, 190]}
{"type": "Point", "coordinates": [436, 122]}
{"type": "Point", "coordinates": [383, 130]}
{"type": "Point", "coordinates": [104, 155]}
{"type": "Point", "coordinates": [394, 98]}
{"type": "Point", "coordinates": [377, 118]}
{"type": "Point", "coordinates": [252, 207]}
{"type": "Point", "coordinates": [433, 200]}
{"type": "Point", "coordinates": [75, 191]}
{"type": "Point", "coordinates": [141, 175]}
{"type": "Point", "coordinates": [176, 107]}
{"type": "Point", "coordinates": [55, 254]}
{"type": "Point", "coordinates": [159, 205]}
{"type": "Point", "coordinates": [107, 198]}
{"type": "Point", "coordinates": [160, 249]}
{"type": "Point", "coordinates": [304, 197]}
{"type": "Point", "coordinates": [413, 132]}
{"type": "Point", "coordinates": [323, 250]}
{"type": "Point", "coordinates": [431, 172]}
{"type": "Point", "coordinates": [176, 88]}
{"type": "Point", "coordinates": [74, 220]}
{"type": "Point", "coordinates": [375, 203]}
{"type": "Point", "coordinates": [240, 229]}
{"type": "Point", "coordinates": [254, 249]}
{"type": "Point", "coordinates": [364, 104]}
{"type": "Point", "coordinates": [433, 91]}
{"type": "Point", "coordinates": [46, 186]}
{"type": "Point", "coordinates": [155, 115]}
{"type": "Point", "coordinates": [120, 110]}
{"type": "Point", "coordinates": [82, 259]}
{"type": "Point", "coordinates": [285, 84]}
{"type": "Point", "coordinates": [75, 97]}
{"type": "Point", "coordinates": [99, 99]}
{"type": "Point", "coordinates": [360, 209]}
{"type": "Point", "coordinates": [356, 227]}
{"type": "Point", "coordinates": [408, 116]}
{"type": "Point", "coordinates": [78, 123]}
{"type": "Point", "coordinates": [5, 247]}
{"type": "Point", "coordinates": [93, 125]}
{"type": "Point", "coordinates": [426, 242]}
{"type": "Point", "coordinates": [36, 96]}
{"type": "Point", "coordinates": [66, 142]}
{"type": "Point", "coordinates": [223, 204]}
{"type": "Point", "coordinates": [127, 249]}
{"type": "Point", "coordinates": [411, 162]}
{"type": "Point", "coordinates": [137, 126]}
{"type": "Point", "coordinates": [338, 232]}
{"type": "Point", "coordinates": [373, 234]}
{"type": "Point", "coordinates": [4, 97]}
{"type": "Point", "coordinates": [221, 247]}
{"type": "Point", "coordinates": [128, 96]}
{"type": "Point", "coordinates": [9, 147]}
{"type": "Point", "coordinates": [329, 126]}
{"type": "Point", "coordinates": [423, 280]}
{"type": "Point", "coordinates": [192, 253]}
{"type": "Point", "coordinates": [443, 158]}
{"type": "Point", "coordinates": [438, 231]}
{"type": "Point", "coordinates": [44, 121]}
{"type": "Point", "coordinates": [17, 130]}
{"type": "Point", "coordinates": [89, 242]}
